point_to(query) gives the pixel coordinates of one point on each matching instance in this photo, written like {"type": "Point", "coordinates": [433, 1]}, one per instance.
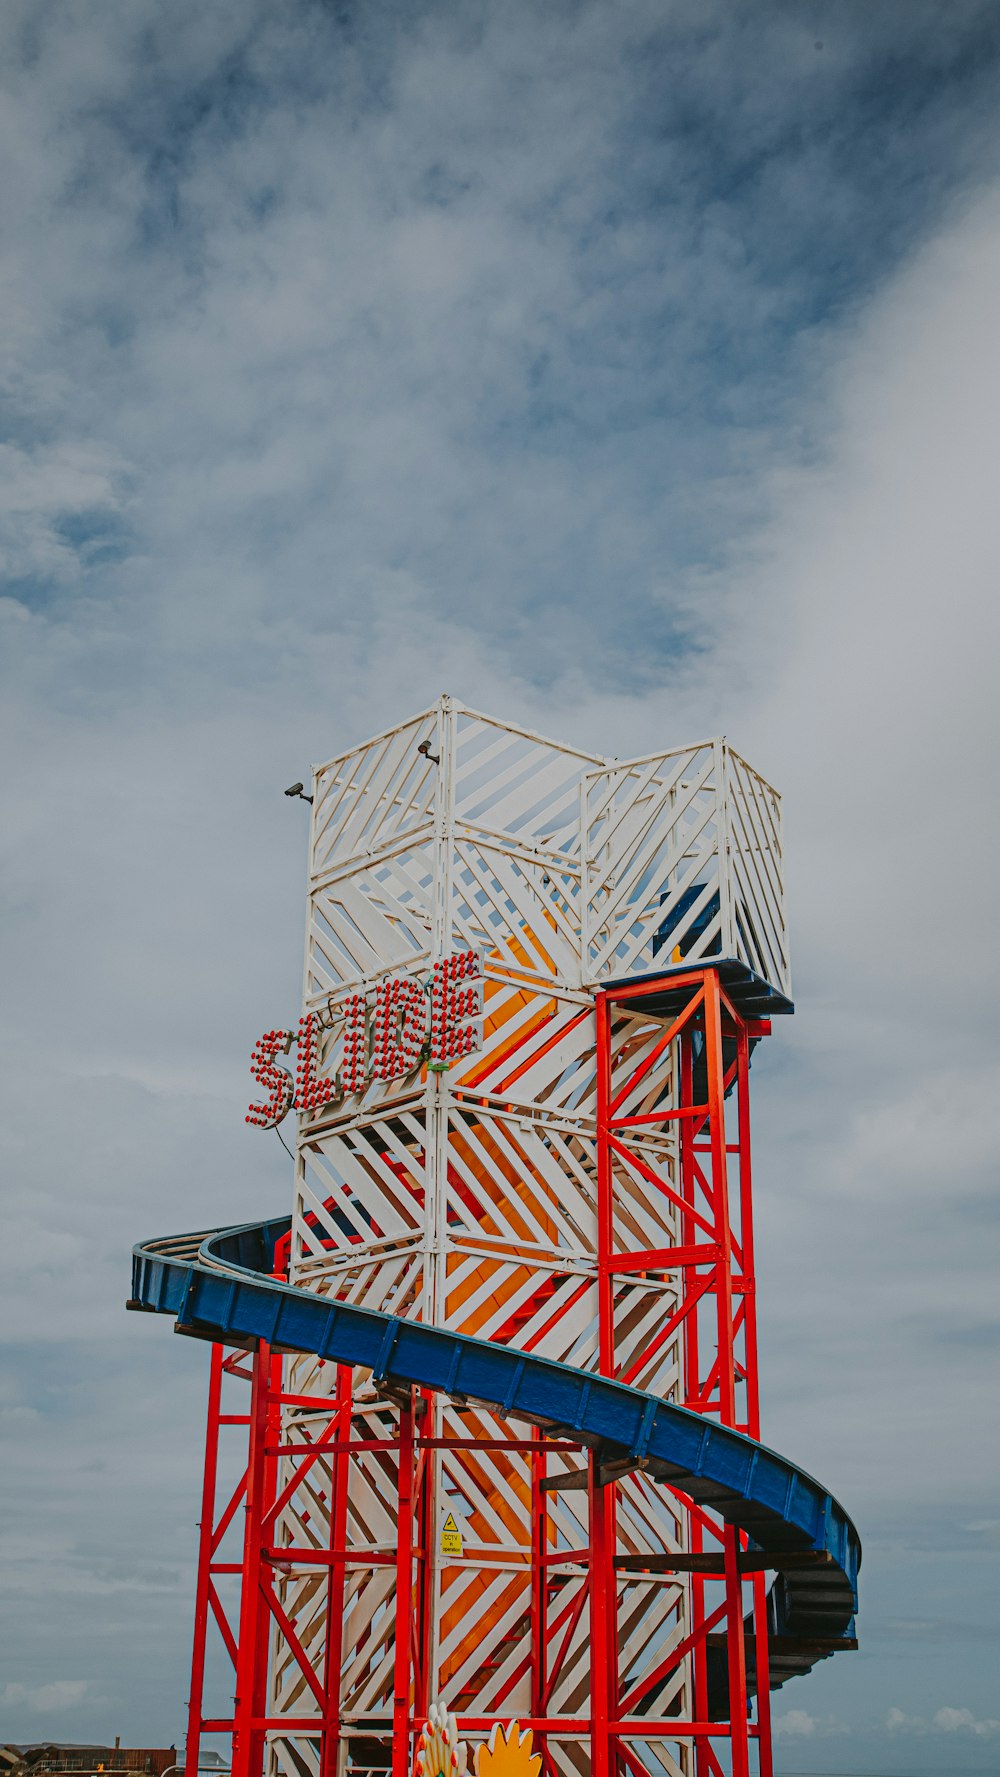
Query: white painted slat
{"type": "Point", "coordinates": [374, 798]}
{"type": "Point", "coordinates": [486, 1484]}
{"type": "Point", "coordinates": [352, 787]}
{"type": "Point", "coordinates": [536, 1084]}
{"type": "Point", "coordinates": [533, 798]}
{"type": "Point", "coordinates": [643, 803]}
{"type": "Point", "coordinates": [672, 765]}
{"type": "Point", "coordinates": [630, 873]}
{"type": "Point", "coordinates": [425, 720]}
{"type": "Point", "coordinates": [749, 845]}
{"type": "Point", "coordinates": [312, 1204]}
{"type": "Point", "coordinates": [659, 855]}
{"type": "Point", "coordinates": [494, 1191]}
{"type": "Point", "coordinates": [768, 928]}
{"type": "Point", "coordinates": [480, 1190]}
{"type": "Point", "coordinates": [702, 865]}
{"type": "Point", "coordinates": [517, 767]}
{"type": "Point", "coordinates": [762, 837]}
{"type": "Point", "coordinates": [532, 899]}
{"type": "Point", "coordinates": [510, 891]}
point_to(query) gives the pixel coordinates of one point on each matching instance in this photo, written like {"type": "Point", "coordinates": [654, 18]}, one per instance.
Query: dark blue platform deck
{"type": "Point", "coordinates": [750, 994]}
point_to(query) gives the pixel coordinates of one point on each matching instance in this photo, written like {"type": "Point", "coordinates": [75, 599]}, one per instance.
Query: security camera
{"type": "Point", "coordinates": [296, 790]}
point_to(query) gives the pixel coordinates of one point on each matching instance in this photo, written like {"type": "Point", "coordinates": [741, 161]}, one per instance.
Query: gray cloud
{"type": "Point", "coordinates": [623, 371]}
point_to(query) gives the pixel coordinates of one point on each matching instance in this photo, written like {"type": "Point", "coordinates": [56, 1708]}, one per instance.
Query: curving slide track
{"type": "Point", "coordinates": [217, 1285]}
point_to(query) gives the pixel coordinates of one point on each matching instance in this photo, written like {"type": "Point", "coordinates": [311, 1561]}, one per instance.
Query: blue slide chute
{"type": "Point", "coordinates": [217, 1286]}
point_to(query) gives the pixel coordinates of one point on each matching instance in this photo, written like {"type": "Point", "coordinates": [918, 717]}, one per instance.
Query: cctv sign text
{"type": "Point", "coordinates": [387, 1033]}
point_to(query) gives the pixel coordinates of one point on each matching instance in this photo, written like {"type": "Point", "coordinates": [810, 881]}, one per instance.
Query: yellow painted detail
{"type": "Point", "coordinates": [508, 1754]}
{"type": "Point", "coordinates": [451, 1537]}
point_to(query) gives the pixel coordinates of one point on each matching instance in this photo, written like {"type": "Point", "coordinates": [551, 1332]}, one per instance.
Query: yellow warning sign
{"type": "Point", "coordinates": [451, 1537]}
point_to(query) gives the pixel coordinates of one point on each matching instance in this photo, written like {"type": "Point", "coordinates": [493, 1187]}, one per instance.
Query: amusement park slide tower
{"type": "Point", "coordinates": [533, 981]}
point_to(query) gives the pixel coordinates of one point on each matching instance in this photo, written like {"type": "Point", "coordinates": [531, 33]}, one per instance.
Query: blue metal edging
{"type": "Point", "coordinates": [218, 1288]}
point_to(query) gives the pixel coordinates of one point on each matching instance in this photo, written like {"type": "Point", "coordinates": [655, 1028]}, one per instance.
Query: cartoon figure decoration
{"type": "Point", "coordinates": [440, 1753]}
{"type": "Point", "coordinates": [507, 1753]}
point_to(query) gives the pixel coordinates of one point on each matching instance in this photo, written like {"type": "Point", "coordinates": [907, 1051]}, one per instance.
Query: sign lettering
{"type": "Point", "coordinates": [451, 1536]}
{"type": "Point", "coordinates": [384, 1036]}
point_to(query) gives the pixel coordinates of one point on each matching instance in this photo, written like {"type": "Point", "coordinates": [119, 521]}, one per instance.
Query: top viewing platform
{"type": "Point", "coordinates": [454, 830]}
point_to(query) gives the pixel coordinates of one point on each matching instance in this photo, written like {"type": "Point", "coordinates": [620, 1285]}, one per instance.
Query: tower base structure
{"type": "Point", "coordinates": [494, 1382]}
{"type": "Point", "coordinates": [734, 1647]}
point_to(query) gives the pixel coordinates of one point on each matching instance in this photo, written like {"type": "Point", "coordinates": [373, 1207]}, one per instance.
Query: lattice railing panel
{"type": "Point", "coordinates": [682, 862]}
{"type": "Point", "coordinates": [653, 832]}
{"type": "Point", "coordinates": [292, 1756]}
{"type": "Point", "coordinates": [650, 1520]}
{"type": "Point", "coordinates": [660, 1758]}
{"type": "Point", "coordinates": [651, 1615]}
{"type": "Point", "coordinates": [641, 1310]}
{"type": "Point", "coordinates": [569, 1757]}
{"type": "Point", "coordinates": [373, 920]}
{"type": "Point", "coordinates": [373, 795]}
{"type": "Point", "coordinates": [372, 1528]}
{"type": "Point", "coordinates": [362, 1183]}
{"type": "Point", "coordinates": [516, 784]}
{"type": "Point", "coordinates": [644, 1216]}
{"type": "Point", "coordinates": [520, 1181]}
{"type": "Point", "coordinates": [538, 1050]}
{"type": "Point", "coordinates": [522, 913]}
{"type": "Point", "coordinates": [753, 811]}
{"type": "Point", "coordinates": [369, 1635]}
{"type": "Point", "coordinates": [392, 1284]}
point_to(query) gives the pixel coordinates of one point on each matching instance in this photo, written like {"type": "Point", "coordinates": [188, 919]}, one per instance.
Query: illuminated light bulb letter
{"type": "Point", "coordinates": [401, 1016]}
{"type": "Point", "coordinates": [312, 1091]}
{"type": "Point", "coordinates": [275, 1080]}
{"type": "Point", "coordinates": [353, 1070]}
{"type": "Point", "coordinates": [453, 1005]}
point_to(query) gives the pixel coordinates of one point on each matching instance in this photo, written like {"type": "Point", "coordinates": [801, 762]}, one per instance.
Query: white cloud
{"type": "Point", "coordinates": [876, 590]}
{"type": "Point", "coordinates": [58, 1694]}
{"type": "Point", "coordinates": [798, 1724]}
{"type": "Point", "coordinates": [958, 1721]}
{"type": "Point", "coordinates": [944, 1721]}
{"type": "Point", "coordinates": [422, 366]}
{"type": "Point", "coordinates": [987, 1528]}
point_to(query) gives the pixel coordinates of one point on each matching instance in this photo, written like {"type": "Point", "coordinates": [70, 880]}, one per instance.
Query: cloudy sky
{"type": "Point", "coordinates": [625, 369]}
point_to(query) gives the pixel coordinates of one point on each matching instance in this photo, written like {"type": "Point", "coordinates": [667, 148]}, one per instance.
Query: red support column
{"type": "Point", "coordinates": [206, 1532]}
{"type": "Point", "coordinates": [603, 1704]}
{"type": "Point", "coordinates": [337, 1582]}
{"type": "Point", "coordinates": [404, 1600]}
{"type": "Point", "coordinates": [603, 1516]}
{"type": "Point", "coordinates": [714, 1215]}
{"type": "Point", "coordinates": [746, 1228]}
{"type": "Point", "coordinates": [717, 1144]}
{"type": "Point", "coordinates": [761, 1657]}
{"type": "Point", "coordinates": [539, 1586]}
{"type": "Point", "coordinates": [692, 1386]}
{"type": "Point", "coordinates": [736, 1655]}
{"type": "Point", "coordinates": [251, 1665]}
{"type": "Point", "coordinates": [425, 1519]}
{"type": "Point", "coordinates": [605, 1191]}
{"type": "Point", "coordinates": [762, 1676]}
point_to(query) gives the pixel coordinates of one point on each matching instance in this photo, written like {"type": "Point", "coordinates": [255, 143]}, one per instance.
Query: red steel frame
{"type": "Point", "coordinates": [715, 1263]}
{"type": "Point", "coordinates": [716, 1312]}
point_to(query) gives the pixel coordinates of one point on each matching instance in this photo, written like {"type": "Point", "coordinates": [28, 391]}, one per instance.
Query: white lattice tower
{"type": "Point", "coordinates": [467, 1197]}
